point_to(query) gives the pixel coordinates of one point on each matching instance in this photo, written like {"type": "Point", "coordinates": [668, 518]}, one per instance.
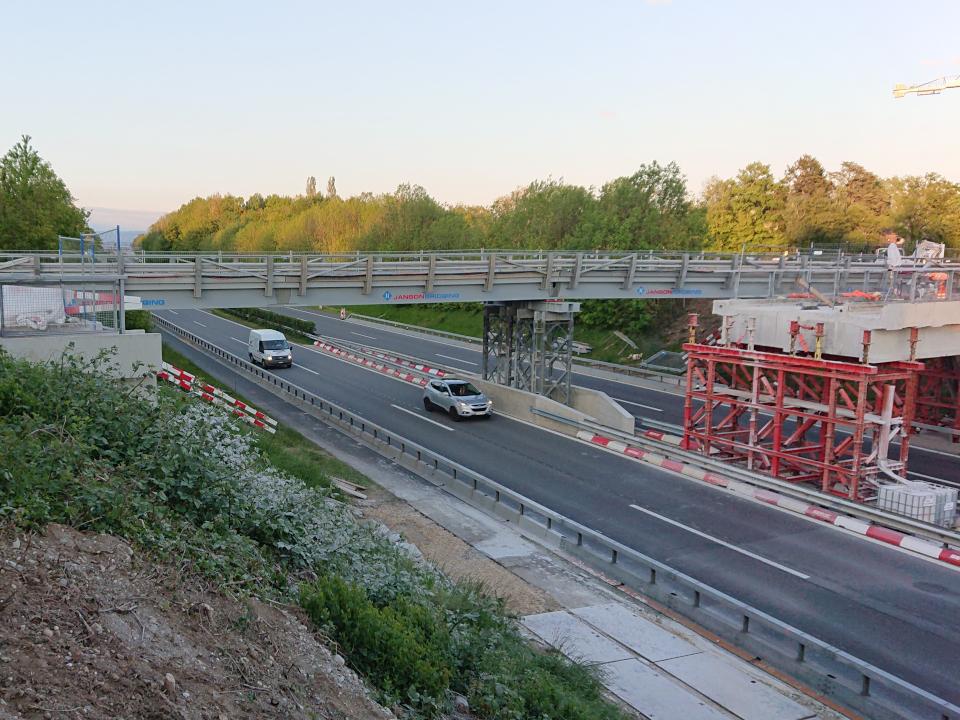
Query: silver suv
{"type": "Point", "coordinates": [458, 398]}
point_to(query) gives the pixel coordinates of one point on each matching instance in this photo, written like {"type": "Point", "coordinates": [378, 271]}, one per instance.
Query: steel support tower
{"type": "Point", "coordinates": [837, 425]}
{"type": "Point", "coordinates": [529, 346]}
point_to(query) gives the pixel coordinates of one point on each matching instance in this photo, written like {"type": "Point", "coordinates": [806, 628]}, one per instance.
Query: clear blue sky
{"type": "Point", "coordinates": [143, 106]}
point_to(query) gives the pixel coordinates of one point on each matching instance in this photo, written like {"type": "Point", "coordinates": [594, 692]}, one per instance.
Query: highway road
{"type": "Point", "coordinates": [890, 608]}
{"type": "Point", "coordinates": [642, 402]}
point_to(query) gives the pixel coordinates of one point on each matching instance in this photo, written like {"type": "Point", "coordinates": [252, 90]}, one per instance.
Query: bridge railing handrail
{"type": "Point", "coordinates": [854, 682]}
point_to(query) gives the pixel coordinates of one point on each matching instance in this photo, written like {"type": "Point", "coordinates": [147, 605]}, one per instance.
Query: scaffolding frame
{"type": "Point", "coordinates": [836, 425]}
{"type": "Point", "coordinates": [938, 394]}
{"type": "Point", "coordinates": [529, 348]}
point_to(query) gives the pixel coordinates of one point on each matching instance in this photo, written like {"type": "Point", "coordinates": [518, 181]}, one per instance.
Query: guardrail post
{"type": "Point", "coordinates": [268, 291]}
{"type": "Point", "coordinates": [36, 265]}
{"type": "Point", "coordinates": [491, 272]}
{"type": "Point", "coordinates": [577, 269]}
{"type": "Point", "coordinates": [197, 276]}
{"type": "Point", "coordinates": [368, 278]}
{"type": "Point", "coordinates": [548, 274]}
{"type": "Point", "coordinates": [303, 275]}
{"type": "Point", "coordinates": [684, 265]}
{"type": "Point", "coordinates": [431, 272]}
{"type": "Point", "coordinates": [631, 272]}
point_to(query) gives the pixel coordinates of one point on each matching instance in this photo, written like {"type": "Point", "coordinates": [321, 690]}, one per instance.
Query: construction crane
{"type": "Point", "coordinates": [934, 87]}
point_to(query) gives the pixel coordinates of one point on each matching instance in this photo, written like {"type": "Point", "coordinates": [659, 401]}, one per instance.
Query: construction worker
{"type": "Point", "coordinates": [894, 259]}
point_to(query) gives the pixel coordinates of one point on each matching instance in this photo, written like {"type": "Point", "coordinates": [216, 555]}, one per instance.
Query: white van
{"type": "Point", "coordinates": [269, 348]}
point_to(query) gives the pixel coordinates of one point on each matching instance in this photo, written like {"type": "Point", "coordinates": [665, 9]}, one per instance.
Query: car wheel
{"type": "Point", "coordinates": [427, 405]}
{"type": "Point", "coordinates": [454, 415]}
{"type": "Point", "coordinates": [488, 416]}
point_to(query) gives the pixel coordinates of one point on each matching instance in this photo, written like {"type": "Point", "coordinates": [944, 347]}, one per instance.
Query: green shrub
{"type": "Point", "coordinates": [402, 647]}
{"type": "Point", "coordinates": [138, 320]}
{"type": "Point", "coordinates": [275, 320]}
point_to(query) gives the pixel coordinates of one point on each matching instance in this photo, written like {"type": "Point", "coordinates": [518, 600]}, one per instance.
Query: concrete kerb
{"type": "Point", "coordinates": [896, 538]}
{"type": "Point", "coordinates": [853, 682]}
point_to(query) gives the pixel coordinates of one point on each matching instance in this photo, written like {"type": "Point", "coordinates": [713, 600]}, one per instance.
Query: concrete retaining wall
{"type": "Point", "coordinates": [136, 354]}
{"type": "Point", "coordinates": [587, 405]}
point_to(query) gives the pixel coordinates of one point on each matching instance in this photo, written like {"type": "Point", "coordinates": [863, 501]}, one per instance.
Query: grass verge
{"type": "Point", "coordinates": [453, 317]}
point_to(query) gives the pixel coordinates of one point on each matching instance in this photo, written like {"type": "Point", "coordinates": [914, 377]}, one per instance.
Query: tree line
{"type": "Point", "coordinates": [651, 209]}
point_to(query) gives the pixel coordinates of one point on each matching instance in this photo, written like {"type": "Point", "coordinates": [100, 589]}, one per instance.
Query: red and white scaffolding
{"type": "Point", "coordinates": [837, 425]}
{"type": "Point", "coordinates": [938, 394]}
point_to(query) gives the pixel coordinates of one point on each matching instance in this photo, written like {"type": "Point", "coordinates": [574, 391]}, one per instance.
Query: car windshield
{"type": "Point", "coordinates": [463, 389]}
{"type": "Point", "coordinates": [275, 345]}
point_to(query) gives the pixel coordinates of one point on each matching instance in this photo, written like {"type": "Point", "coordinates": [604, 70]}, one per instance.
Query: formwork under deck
{"type": "Point", "coordinates": [836, 425]}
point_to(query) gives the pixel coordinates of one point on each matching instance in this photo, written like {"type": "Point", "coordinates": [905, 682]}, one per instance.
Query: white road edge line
{"type": "Point", "coordinates": [631, 402]}
{"type": "Point", "coordinates": [450, 357]}
{"type": "Point", "coordinates": [421, 417]}
{"type": "Point", "coordinates": [368, 337]}
{"type": "Point", "coordinates": [173, 312]}
{"type": "Point", "coordinates": [304, 367]}
{"type": "Point", "coordinates": [725, 544]}
{"type": "Point", "coordinates": [238, 340]}
{"type": "Point", "coordinates": [199, 323]}
{"type": "Point", "coordinates": [926, 477]}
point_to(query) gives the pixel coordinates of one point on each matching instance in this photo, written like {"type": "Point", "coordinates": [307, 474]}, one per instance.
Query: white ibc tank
{"type": "Point", "coordinates": [934, 504]}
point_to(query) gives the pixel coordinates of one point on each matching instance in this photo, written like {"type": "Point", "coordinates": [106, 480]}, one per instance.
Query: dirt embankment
{"type": "Point", "coordinates": [89, 630]}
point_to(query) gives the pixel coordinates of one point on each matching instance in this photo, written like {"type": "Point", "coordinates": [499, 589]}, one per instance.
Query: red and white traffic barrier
{"type": "Point", "coordinates": [877, 532]}
{"type": "Point", "coordinates": [189, 383]}
{"type": "Point", "coordinates": [368, 363]}
{"type": "Point", "coordinates": [419, 367]}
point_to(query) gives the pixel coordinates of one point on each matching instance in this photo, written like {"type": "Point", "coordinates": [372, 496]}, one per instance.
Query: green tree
{"type": "Point", "coordinates": [811, 214]}
{"type": "Point", "coordinates": [864, 203]}
{"type": "Point", "coordinates": [647, 210]}
{"type": "Point", "coordinates": [745, 212]}
{"type": "Point", "coordinates": [35, 204]}
{"type": "Point", "coordinates": [547, 215]}
{"type": "Point", "coordinates": [926, 207]}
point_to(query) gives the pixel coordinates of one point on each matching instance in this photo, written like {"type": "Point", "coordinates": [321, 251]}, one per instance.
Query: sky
{"type": "Point", "coordinates": [140, 107]}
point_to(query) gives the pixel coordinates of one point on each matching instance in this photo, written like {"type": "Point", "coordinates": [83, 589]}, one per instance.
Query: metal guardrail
{"type": "Point", "coordinates": [797, 492]}
{"type": "Point", "coordinates": [853, 682]}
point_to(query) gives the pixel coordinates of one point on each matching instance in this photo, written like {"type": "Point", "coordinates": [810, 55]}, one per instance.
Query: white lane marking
{"type": "Point", "coordinates": [199, 323]}
{"type": "Point", "coordinates": [449, 357]}
{"type": "Point", "coordinates": [304, 367]}
{"type": "Point", "coordinates": [368, 337]}
{"type": "Point", "coordinates": [918, 448]}
{"type": "Point", "coordinates": [925, 477]}
{"type": "Point", "coordinates": [173, 312]}
{"type": "Point", "coordinates": [242, 342]}
{"type": "Point", "coordinates": [725, 544]}
{"type": "Point", "coordinates": [421, 417]}
{"type": "Point", "coordinates": [631, 402]}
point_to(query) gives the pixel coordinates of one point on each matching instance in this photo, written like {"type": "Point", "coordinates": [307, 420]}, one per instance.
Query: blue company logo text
{"type": "Point", "coordinates": [669, 292]}
{"type": "Point", "coordinates": [152, 303]}
{"type": "Point", "coordinates": [388, 296]}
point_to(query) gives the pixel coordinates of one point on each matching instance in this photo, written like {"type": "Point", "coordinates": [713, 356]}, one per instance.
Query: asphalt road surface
{"type": "Point", "coordinates": [642, 403]}
{"type": "Point", "coordinates": [890, 608]}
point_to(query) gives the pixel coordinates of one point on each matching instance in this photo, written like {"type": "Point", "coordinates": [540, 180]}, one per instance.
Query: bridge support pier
{"type": "Point", "coordinates": [528, 346]}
